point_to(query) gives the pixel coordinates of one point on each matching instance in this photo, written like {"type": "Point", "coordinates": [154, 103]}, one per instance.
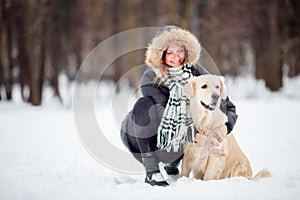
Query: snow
{"type": "Point", "coordinates": [42, 155]}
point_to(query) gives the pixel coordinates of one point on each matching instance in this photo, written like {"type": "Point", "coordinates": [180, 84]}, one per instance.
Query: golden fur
{"type": "Point", "coordinates": [218, 155]}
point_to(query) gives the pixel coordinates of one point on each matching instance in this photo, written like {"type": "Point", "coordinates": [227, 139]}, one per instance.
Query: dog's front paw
{"type": "Point", "coordinates": [207, 144]}
{"type": "Point", "coordinates": [221, 132]}
{"type": "Point", "coordinates": [209, 141]}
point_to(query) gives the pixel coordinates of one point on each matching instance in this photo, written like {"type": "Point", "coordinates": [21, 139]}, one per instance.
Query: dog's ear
{"type": "Point", "coordinates": [189, 88]}
{"type": "Point", "coordinates": [223, 89]}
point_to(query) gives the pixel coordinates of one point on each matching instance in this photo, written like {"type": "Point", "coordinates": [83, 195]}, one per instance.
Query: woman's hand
{"type": "Point", "coordinates": [198, 137]}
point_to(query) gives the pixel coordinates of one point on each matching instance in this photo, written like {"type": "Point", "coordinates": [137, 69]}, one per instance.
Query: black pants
{"type": "Point", "coordinates": [139, 132]}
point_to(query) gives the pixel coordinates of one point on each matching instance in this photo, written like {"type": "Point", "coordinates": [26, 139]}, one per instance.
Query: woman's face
{"type": "Point", "coordinates": [174, 55]}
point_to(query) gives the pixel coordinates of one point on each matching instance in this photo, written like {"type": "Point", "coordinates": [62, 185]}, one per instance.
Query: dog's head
{"type": "Point", "coordinates": [207, 89]}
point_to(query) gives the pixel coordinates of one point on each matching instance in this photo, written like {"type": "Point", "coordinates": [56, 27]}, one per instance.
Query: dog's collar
{"type": "Point", "coordinates": [207, 106]}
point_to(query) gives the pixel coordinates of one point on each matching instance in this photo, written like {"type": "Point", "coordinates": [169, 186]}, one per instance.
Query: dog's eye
{"type": "Point", "coordinates": [217, 87]}
{"type": "Point", "coordinates": [204, 86]}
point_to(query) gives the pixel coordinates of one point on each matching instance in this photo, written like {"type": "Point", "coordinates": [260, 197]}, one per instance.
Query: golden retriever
{"type": "Point", "coordinates": [217, 155]}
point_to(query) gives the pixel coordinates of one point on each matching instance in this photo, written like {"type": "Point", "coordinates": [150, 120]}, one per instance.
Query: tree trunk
{"type": "Point", "coordinates": [29, 47]}
{"type": "Point", "coordinates": [23, 58]}
{"type": "Point", "coordinates": [6, 42]}
{"type": "Point", "coordinates": [274, 80]}
{"type": "Point", "coordinates": [1, 66]}
{"type": "Point", "coordinates": [55, 46]}
{"type": "Point", "coordinates": [269, 57]}
{"type": "Point", "coordinates": [1, 71]}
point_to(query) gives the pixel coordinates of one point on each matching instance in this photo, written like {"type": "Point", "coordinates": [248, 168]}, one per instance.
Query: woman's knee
{"type": "Point", "coordinates": [141, 111]}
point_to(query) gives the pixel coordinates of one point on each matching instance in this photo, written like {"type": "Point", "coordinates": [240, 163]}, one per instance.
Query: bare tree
{"type": "Point", "coordinates": [267, 44]}
{"type": "Point", "coordinates": [6, 46]}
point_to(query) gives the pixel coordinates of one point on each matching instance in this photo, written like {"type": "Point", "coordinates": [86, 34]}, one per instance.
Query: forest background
{"type": "Point", "coordinates": [41, 39]}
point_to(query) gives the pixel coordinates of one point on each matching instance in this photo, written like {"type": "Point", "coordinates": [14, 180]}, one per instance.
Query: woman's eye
{"type": "Point", "coordinates": [204, 86]}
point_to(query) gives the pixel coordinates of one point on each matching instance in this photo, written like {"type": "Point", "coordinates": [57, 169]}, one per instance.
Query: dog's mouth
{"type": "Point", "coordinates": [210, 107]}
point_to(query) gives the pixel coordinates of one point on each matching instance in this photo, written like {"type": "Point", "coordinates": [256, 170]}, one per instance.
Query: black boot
{"type": "Point", "coordinates": [155, 178]}
{"type": "Point", "coordinates": [172, 168]}
{"type": "Point", "coordinates": [153, 175]}
{"type": "Point", "coordinates": [172, 172]}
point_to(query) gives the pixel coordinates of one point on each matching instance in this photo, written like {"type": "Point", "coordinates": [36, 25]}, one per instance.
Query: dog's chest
{"type": "Point", "coordinates": [215, 119]}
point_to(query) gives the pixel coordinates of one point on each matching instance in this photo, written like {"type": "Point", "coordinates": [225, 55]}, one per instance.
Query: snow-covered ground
{"type": "Point", "coordinates": [42, 157]}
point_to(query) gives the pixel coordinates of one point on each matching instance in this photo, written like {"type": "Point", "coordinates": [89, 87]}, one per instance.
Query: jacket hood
{"type": "Point", "coordinates": [164, 38]}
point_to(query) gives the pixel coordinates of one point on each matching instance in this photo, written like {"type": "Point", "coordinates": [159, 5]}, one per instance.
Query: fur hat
{"type": "Point", "coordinates": [164, 37]}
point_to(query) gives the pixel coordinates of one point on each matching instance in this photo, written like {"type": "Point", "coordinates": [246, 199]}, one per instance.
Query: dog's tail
{"type": "Point", "coordinates": [264, 173]}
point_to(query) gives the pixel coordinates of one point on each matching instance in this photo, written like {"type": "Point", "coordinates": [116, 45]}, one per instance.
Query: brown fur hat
{"type": "Point", "coordinates": [166, 36]}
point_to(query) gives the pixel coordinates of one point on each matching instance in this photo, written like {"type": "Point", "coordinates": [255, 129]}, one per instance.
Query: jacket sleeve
{"type": "Point", "coordinates": [158, 92]}
{"type": "Point", "coordinates": [229, 109]}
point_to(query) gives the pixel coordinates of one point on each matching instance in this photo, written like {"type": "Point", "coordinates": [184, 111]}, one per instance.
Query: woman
{"type": "Point", "coordinates": [160, 122]}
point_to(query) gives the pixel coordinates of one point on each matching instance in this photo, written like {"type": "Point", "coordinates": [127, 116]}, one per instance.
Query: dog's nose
{"type": "Point", "coordinates": [215, 96]}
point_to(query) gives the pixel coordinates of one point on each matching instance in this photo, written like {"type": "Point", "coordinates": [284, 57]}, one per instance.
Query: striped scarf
{"type": "Point", "coordinates": [176, 125]}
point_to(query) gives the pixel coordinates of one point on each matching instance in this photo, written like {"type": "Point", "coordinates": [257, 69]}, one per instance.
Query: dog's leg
{"type": "Point", "coordinates": [243, 169]}
{"type": "Point", "coordinates": [214, 168]}
{"type": "Point", "coordinates": [222, 131]}
{"type": "Point", "coordinates": [185, 169]}
{"type": "Point", "coordinates": [216, 163]}
{"type": "Point", "coordinates": [207, 143]}
{"type": "Point", "coordinates": [200, 168]}
{"type": "Point", "coordinates": [187, 159]}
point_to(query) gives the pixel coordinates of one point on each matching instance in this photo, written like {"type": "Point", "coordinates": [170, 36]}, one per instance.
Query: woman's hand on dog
{"type": "Point", "coordinates": [198, 137]}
